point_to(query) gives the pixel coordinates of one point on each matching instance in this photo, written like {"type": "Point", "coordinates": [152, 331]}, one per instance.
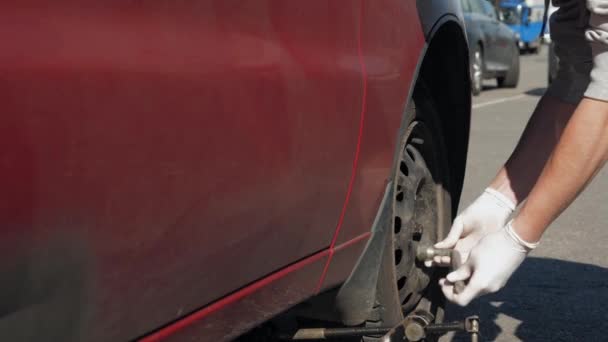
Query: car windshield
{"type": "Point", "coordinates": [510, 15]}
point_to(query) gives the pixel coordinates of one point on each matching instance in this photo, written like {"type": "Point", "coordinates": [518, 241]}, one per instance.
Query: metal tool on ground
{"type": "Point", "coordinates": [415, 327]}
{"type": "Point", "coordinates": [428, 253]}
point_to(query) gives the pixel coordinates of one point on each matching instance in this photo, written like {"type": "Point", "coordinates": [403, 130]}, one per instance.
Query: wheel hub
{"type": "Point", "coordinates": [477, 70]}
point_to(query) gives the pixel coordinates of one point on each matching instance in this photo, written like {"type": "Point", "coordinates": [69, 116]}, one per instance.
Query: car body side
{"type": "Point", "coordinates": [187, 169]}
{"type": "Point", "coordinates": [445, 54]}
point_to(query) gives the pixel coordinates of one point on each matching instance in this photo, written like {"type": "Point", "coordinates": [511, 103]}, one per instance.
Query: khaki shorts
{"type": "Point", "coordinates": [579, 30]}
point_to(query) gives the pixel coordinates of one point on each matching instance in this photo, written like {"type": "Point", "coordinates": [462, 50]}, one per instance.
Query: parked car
{"type": "Point", "coordinates": [525, 18]}
{"type": "Point", "coordinates": [493, 46]}
{"type": "Point", "coordinates": [187, 170]}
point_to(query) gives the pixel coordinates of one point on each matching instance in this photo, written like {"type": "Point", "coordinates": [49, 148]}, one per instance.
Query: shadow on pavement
{"type": "Point", "coordinates": [532, 92]}
{"type": "Point", "coordinates": [489, 87]}
{"type": "Point", "coordinates": [536, 91]}
{"type": "Point", "coordinates": [549, 300]}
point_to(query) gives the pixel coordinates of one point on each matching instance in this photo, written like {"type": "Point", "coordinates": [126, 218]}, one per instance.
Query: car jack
{"type": "Point", "coordinates": [415, 327]}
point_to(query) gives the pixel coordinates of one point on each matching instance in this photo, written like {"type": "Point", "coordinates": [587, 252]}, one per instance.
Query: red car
{"type": "Point", "coordinates": [187, 170]}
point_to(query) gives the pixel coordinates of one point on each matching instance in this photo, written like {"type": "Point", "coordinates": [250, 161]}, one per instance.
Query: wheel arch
{"type": "Point", "coordinates": [480, 44]}
{"type": "Point", "coordinates": [445, 71]}
{"type": "Point", "coordinates": [444, 67]}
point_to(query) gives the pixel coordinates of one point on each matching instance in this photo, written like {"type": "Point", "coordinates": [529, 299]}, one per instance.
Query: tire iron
{"type": "Point", "coordinates": [415, 327]}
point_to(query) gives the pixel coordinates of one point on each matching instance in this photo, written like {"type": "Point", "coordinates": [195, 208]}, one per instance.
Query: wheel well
{"type": "Point", "coordinates": [445, 70]}
{"type": "Point", "coordinates": [445, 73]}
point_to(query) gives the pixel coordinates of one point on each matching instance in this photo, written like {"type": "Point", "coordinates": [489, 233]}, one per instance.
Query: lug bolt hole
{"type": "Point", "coordinates": [410, 154]}
{"type": "Point", "coordinates": [401, 283]}
{"type": "Point", "coordinates": [404, 169]}
{"type": "Point", "coordinates": [417, 236]}
{"type": "Point", "coordinates": [398, 255]}
{"type": "Point", "coordinates": [400, 196]}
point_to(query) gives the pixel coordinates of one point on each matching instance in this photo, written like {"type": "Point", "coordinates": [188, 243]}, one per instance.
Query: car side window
{"type": "Point", "coordinates": [488, 9]}
{"type": "Point", "coordinates": [466, 8]}
{"type": "Point", "coordinates": [476, 6]}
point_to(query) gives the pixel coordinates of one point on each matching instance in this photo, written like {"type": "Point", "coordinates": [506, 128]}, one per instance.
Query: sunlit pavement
{"type": "Point", "coordinates": [561, 291]}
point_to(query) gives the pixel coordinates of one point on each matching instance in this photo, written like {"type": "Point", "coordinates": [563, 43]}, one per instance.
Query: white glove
{"type": "Point", "coordinates": [490, 264]}
{"type": "Point", "coordinates": [487, 214]}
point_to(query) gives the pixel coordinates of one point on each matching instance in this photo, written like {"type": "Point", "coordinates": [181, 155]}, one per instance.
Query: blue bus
{"type": "Point", "coordinates": [525, 18]}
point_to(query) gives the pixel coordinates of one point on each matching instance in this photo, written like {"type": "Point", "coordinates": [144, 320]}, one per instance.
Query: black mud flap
{"type": "Point", "coordinates": [356, 297]}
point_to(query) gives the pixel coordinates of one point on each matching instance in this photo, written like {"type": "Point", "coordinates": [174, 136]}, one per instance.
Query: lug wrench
{"type": "Point", "coordinates": [415, 327]}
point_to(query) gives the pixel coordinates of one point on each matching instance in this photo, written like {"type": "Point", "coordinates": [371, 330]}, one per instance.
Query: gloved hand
{"type": "Point", "coordinates": [487, 214]}
{"type": "Point", "coordinates": [491, 263]}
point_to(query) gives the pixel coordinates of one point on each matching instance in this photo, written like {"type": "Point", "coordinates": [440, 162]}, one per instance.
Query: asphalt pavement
{"type": "Point", "coordinates": [560, 293]}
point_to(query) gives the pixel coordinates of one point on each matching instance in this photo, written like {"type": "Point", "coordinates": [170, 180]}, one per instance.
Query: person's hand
{"type": "Point", "coordinates": [491, 263]}
{"type": "Point", "coordinates": [487, 214]}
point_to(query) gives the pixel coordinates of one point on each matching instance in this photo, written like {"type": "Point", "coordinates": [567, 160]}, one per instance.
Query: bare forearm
{"type": "Point", "coordinates": [516, 179]}
{"type": "Point", "coordinates": [580, 153]}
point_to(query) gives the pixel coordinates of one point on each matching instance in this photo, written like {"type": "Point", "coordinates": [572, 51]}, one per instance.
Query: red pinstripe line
{"type": "Point", "coordinates": [357, 150]}
{"type": "Point", "coordinates": [200, 314]}
{"type": "Point", "coordinates": [230, 299]}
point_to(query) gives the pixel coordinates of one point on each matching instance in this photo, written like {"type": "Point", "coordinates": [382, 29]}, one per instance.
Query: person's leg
{"type": "Point", "coordinates": [568, 26]}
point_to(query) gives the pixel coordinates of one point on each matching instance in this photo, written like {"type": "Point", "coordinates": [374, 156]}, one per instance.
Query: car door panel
{"type": "Point", "coordinates": [480, 21]}
{"type": "Point", "coordinates": [490, 28]}
{"type": "Point", "coordinates": [502, 38]}
{"type": "Point", "coordinates": [506, 43]}
{"type": "Point", "coordinates": [184, 149]}
{"type": "Point", "coordinates": [391, 41]}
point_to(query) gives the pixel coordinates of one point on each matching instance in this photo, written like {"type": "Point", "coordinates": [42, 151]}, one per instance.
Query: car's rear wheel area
{"type": "Point", "coordinates": [511, 78]}
{"type": "Point", "coordinates": [477, 67]}
{"type": "Point", "coordinates": [421, 210]}
{"type": "Point", "coordinates": [419, 213]}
